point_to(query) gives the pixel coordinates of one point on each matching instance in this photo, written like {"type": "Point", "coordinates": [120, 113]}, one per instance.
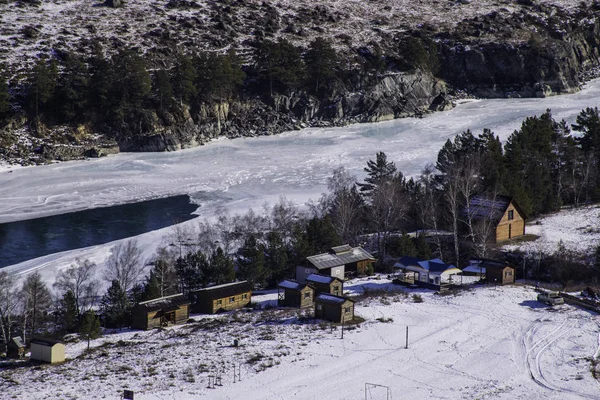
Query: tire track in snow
{"type": "Point", "coordinates": [535, 351]}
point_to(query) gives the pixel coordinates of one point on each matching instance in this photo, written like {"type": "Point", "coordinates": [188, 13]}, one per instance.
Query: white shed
{"type": "Point", "coordinates": [47, 350]}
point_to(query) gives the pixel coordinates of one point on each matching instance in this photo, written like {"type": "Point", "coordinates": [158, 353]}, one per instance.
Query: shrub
{"type": "Point", "coordinates": [417, 298]}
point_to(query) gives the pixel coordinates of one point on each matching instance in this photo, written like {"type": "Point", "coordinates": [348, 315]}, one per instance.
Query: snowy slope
{"type": "Point", "coordinates": [158, 26]}
{"type": "Point", "coordinates": [482, 343]}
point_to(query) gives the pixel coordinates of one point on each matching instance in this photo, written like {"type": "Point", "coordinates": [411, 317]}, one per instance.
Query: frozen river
{"type": "Point", "coordinates": [247, 172]}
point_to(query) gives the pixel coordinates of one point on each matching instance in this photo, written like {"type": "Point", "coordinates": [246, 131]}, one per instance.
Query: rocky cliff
{"type": "Point", "coordinates": [506, 48]}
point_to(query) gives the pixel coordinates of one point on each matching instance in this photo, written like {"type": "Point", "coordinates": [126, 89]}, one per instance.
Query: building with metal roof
{"type": "Point", "coordinates": [291, 293]}
{"type": "Point", "coordinates": [334, 308]}
{"type": "Point", "coordinates": [503, 212]}
{"type": "Point", "coordinates": [225, 297]}
{"type": "Point", "coordinates": [339, 261]}
{"type": "Point", "coordinates": [164, 311]}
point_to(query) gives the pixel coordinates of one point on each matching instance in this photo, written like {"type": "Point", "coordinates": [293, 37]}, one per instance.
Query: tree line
{"type": "Point", "coordinates": [126, 93]}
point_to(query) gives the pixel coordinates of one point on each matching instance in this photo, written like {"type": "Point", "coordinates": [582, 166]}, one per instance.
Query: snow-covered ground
{"type": "Point", "coordinates": [577, 228]}
{"type": "Point", "coordinates": [151, 25]}
{"type": "Point", "coordinates": [483, 343]}
{"type": "Point", "coordinates": [242, 173]}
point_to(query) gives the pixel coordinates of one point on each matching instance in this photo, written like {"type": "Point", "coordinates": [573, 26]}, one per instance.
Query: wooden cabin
{"type": "Point", "coordinates": [15, 348]}
{"type": "Point", "coordinates": [47, 350]}
{"type": "Point", "coordinates": [226, 297]}
{"type": "Point", "coordinates": [339, 262]}
{"type": "Point", "coordinates": [325, 284]}
{"type": "Point", "coordinates": [164, 311]}
{"type": "Point", "coordinates": [507, 217]}
{"type": "Point", "coordinates": [295, 294]}
{"type": "Point", "coordinates": [497, 272]}
{"type": "Point", "coordinates": [334, 308]}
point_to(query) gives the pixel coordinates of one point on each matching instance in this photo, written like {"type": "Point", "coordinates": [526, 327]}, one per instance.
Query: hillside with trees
{"type": "Point", "coordinates": [177, 74]}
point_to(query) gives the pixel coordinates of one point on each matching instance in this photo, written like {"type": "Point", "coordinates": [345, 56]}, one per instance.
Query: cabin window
{"type": "Point", "coordinates": [508, 274]}
{"type": "Point", "coordinates": [319, 307]}
{"type": "Point", "coordinates": [307, 295]}
{"type": "Point", "coordinates": [511, 214]}
{"type": "Point", "coordinates": [232, 299]}
{"type": "Point", "coordinates": [245, 296]}
{"type": "Point", "coordinates": [219, 302]}
{"type": "Point", "coordinates": [347, 310]}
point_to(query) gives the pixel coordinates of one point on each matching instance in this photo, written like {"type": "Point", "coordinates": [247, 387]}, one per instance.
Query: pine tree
{"type": "Point", "coordinates": [280, 64]}
{"type": "Point", "coordinates": [90, 327]}
{"type": "Point", "coordinates": [100, 78]}
{"type": "Point", "coordinates": [251, 262]}
{"type": "Point", "coordinates": [72, 91]}
{"type": "Point", "coordinates": [422, 247]}
{"type": "Point", "coordinates": [42, 84]}
{"type": "Point", "coordinates": [193, 272]}
{"type": "Point", "coordinates": [183, 77]}
{"type": "Point", "coordinates": [218, 75]}
{"type": "Point", "coordinates": [406, 246]}
{"type": "Point", "coordinates": [321, 235]}
{"type": "Point", "coordinates": [276, 259]}
{"type": "Point", "coordinates": [130, 86]}
{"type": "Point", "coordinates": [321, 61]}
{"type": "Point", "coordinates": [67, 317]}
{"type": "Point", "coordinates": [378, 172]}
{"type": "Point", "coordinates": [221, 267]}
{"type": "Point", "coordinates": [115, 306]}
{"type": "Point", "coordinates": [163, 90]}
{"type": "Point", "coordinates": [4, 96]}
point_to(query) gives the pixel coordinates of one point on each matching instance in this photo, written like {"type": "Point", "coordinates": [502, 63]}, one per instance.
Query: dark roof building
{"type": "Point", "coordinates": [503, 211]}
{"type": "Point", "coordinates": [325, 284]}
{"type": "Point", "coordinates": [295, 294]}
{"type": "Point", "coordinates": [164, 311]}
{"type": "Point", "coordinates": [497, 272]}
{"type": "Point", "coordinates": [334, 308]}
{"type": "Point", "coordinates": [15, 348]}
{"type": "Point", "coordinates": [226, 297]}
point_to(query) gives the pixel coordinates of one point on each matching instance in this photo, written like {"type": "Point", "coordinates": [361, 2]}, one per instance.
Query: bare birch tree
{"type": "Point", "coordinates": [430, 205]}
{"type": "Point", "coordinates": [387, 209]}
{"type": "Point", "coordinates": [79, 280]}
{"type": "Point", "coordinates": [125, 265]}
{"type": "Point", "coordinates": [8, 305]}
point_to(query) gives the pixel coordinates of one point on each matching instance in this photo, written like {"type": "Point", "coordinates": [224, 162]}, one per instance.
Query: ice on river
{"type": "Point", "coordinates": [247, 172]}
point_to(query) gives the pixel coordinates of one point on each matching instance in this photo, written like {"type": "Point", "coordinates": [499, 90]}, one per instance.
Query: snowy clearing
{"type": "Point", "coordinates": [482, 343]}
{"type": "Point", "coordinates": [577, 228]}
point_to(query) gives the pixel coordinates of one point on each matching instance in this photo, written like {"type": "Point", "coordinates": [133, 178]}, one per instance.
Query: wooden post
{"type": "Point", "coordinates": [342, 325]}
{"type": "Point", "coordinates": [406, 347]}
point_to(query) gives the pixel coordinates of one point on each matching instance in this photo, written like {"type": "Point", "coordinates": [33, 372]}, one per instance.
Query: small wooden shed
{"type": "Point", "coordinates": [164, 311]}
{"type": "Point", "coordinates": [15, 348]}
{"type": "Point", "coordinates": [295, 294]}
{"type": "Point", "coordinates": [498, 272]}
{"type": "Point", "coordinates": [325, 284]}
{"type": "Point", "coordinates": [226, 297]}
{"type": "Point", "coordinates": [47, 350]}
{"type": "Point", "coordinates": [334, 308]}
